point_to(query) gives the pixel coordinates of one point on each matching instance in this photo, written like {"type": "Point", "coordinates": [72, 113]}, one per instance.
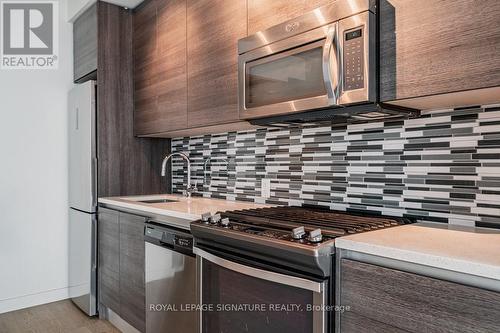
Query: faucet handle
{"type": "Point", "coordinates": [189, 190]}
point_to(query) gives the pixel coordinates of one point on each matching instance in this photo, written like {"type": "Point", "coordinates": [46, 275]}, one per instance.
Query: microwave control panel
{"type": "Point", "coordinates": [354, 59]}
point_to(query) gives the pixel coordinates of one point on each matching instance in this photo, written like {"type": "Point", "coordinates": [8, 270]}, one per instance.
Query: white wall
{"type": "Point", "coordinates": [33, 180]}
{"type": "Point", "coordinates": [76, 7]}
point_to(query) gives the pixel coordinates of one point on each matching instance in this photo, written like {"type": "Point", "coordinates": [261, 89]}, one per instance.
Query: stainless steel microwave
{"type": "Point", "coordinates": [323, 59]}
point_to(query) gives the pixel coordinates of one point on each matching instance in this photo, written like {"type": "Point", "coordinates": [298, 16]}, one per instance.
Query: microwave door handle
{"type": "Point", "coordinates": [331, 72]}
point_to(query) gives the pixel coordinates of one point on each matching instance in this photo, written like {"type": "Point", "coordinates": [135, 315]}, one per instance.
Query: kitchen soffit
{"type": "Point", "coordinates": [125, 3]}
{"type": "Point", "coordinates": [76, 8]}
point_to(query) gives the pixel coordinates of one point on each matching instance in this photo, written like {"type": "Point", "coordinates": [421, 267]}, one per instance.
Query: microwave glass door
{"type": "Point", "coordinates": [287, 76]}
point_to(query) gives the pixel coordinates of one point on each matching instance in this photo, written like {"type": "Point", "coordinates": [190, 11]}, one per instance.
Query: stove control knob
{"type": "Point", "coordinates": [225, 222]}
{"type": "Point", "coordinates": [315, 236]}
{"type": "Point", "coordinates": [215, 218]}
{"type": "Point", "coordinates": [205, 218]}
{"type": "Point", "coordinates": [298, 233]}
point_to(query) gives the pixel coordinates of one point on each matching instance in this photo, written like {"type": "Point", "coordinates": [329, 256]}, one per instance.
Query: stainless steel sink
{"type": "Point", "coordinates": [152, 201]}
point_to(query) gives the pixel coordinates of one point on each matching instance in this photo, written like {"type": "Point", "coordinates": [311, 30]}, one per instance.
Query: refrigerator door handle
{"type": "Point", "coordinates": [94, 183]}
{"type": "Point", "coordinates": [77, 127]}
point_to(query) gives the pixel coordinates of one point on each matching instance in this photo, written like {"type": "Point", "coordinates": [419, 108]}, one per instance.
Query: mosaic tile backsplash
{"type": "Point", "coordinates": [443, 166]}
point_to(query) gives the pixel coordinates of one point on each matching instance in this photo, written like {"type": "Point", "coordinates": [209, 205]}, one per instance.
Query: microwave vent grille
{"type": "Point", "coordinates": [337, 116]}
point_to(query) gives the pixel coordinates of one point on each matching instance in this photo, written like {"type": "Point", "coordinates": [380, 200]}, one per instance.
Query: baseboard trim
{"type": "Point", "coordinates": [27, 301]}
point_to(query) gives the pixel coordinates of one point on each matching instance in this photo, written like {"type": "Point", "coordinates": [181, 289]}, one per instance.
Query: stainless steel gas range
{"type": "Point", "coordinates": [272, 269]}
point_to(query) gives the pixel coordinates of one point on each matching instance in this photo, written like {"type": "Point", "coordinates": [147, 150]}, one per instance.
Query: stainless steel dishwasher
{"type": "Point", "coordinates": [170, 280]}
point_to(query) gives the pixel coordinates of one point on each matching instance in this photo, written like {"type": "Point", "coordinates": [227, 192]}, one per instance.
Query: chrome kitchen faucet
{"type": "Point", "coordinates": [189, 189]}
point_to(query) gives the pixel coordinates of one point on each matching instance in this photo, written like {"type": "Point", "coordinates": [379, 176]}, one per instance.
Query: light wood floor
{"type": "Point", "coordinates": [58, 317]}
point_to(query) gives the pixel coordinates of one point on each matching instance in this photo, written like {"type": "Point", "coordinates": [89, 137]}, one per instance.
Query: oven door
{"type": "Point", "coordinates": [296, 74]}
{"type": "Point", "coordinates": [239, 298]}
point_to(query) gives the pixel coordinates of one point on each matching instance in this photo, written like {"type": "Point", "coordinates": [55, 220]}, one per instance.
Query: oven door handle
{"type": "Point", "coordinates": [331, 72]}
{"type": "Point", "coordinates": [317, 287]}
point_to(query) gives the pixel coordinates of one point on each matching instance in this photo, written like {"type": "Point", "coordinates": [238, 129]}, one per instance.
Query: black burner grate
{"type": "Point", "coordinates": [335, 223]}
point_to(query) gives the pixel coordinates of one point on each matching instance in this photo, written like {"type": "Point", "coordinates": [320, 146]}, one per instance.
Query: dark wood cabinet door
{"type": "Point", "coordinates": [132, 248]}
{"type": "Point", "coordinates": [171, 66]}
{"type": "Point", "coordinates": [126, 165]}
{"type": "Point", "coordinates": [383, 297]}
{"type": "Point", "coordinates": [85, 44]}
{"type": "Point", "coordinates": [132, 270]}
{"type": "Point", "coordinates": [355, 323]}
{"type": "Point", "coordinates": [433, 47]}
{"type": "Point", "coordinates": [145, 71]}
{"type": "Point", "coordinates": [160, 75]}
{"type": "Point", "coordinates": [213, 30]}
{"type": "Point", "coordinates": [122, 285]}
{"type": "Point", "coordinates": [109, 258]}
{"type": "Point", "coordinates": [263, 14]}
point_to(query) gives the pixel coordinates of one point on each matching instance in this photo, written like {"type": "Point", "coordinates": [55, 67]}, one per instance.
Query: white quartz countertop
{"type": "Point", "coordinates": [181, 212]}
{"type": "Point", "coordinates": [474, 251]}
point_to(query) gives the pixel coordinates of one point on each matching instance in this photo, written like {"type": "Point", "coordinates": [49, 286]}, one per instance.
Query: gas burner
{"type": "Point", "coordinates": [305, 226]}
{"type": "Point", "coordinates": [303, 237]}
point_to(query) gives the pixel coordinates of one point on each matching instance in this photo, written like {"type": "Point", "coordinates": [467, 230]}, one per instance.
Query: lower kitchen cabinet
{"type": "Point", "coordinates": [353, 322]}
{"type": "Point", "coordinates": [132, 268]}
{"type": "Point", "coordinates": [109, 259]}
{"type": "Point", "coordinates": [388, 300]}
{"type": "Point", "coordinates": [121, 265]}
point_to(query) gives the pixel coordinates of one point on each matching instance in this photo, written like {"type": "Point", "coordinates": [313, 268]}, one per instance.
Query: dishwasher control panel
{"type": "Point", "coordinates": [172, 238]}
{"type": "Point", "coordinates": [186, 242]}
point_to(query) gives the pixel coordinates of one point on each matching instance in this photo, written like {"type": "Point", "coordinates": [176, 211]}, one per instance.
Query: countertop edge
{"type": "Point", "coordinates": [151, 210]}
{"type": "Point", "coordinates": [442, 262]}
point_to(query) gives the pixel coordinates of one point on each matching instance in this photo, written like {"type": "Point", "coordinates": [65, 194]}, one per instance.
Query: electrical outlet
{"type": "Point", "coordinates": [265, 190]}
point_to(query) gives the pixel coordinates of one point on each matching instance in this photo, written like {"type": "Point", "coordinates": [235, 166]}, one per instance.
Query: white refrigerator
{"type": "Point", "coordinates": [83, 197]}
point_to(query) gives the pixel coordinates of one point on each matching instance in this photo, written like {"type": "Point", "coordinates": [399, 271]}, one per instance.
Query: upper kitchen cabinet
{"type": "Point", "coordinates": [160, 78]}
{"type": "Point", "coordinates": [213, 30]}
{"type": "Point", "coordinates": [171, 57]}
{"type": "Point", "coordinates": [429, 48]}
{"type": "Point", "coordinates": [263, 14]}
{"type": "Point", "coordinates": [85, 45]}
{"type": "Point", "coordinates": [145, 52]}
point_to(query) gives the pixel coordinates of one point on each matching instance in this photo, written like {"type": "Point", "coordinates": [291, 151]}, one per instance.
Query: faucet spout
{"type": "Point", "coordinates": [187, 193]}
